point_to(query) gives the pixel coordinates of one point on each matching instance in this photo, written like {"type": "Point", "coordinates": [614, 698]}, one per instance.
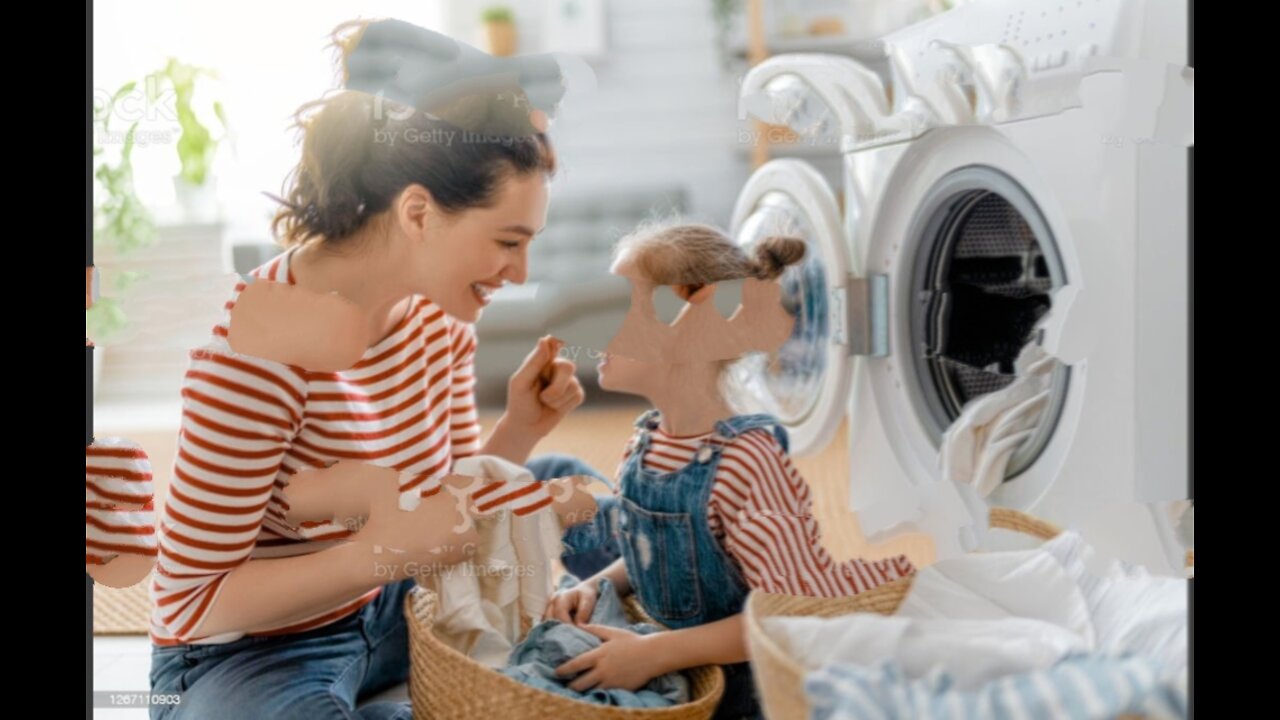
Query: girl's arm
{"type": "Point", "coordinates": [616, 573]}
{"type": "Point", "coordinates": [722, 642]}
{"type": "Point", "coordinates": [630, 660]}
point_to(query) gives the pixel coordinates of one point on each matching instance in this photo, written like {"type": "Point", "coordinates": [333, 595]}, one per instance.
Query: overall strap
{"type": "Point", "coordinates": [729, 430]}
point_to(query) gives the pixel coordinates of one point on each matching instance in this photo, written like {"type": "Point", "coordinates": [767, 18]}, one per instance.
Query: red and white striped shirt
{"type": "Point", "coordinates": [248, 424]}
{"type": "Point", "coordinates": [118, 513]}
{"type": "Point", "coordinates": [761, 513]}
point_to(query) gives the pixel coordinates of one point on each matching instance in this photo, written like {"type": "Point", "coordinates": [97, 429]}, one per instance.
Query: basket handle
{"type": "Point", "coordinates": [1018, 521]}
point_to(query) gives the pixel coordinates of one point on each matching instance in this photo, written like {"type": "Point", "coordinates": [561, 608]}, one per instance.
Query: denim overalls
{"type": "Point", "coordinates": [679, 571]}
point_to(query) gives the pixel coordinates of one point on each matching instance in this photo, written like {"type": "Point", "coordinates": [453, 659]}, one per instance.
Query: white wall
{"type": "Point", "coordinates": [270, 58]}
{"type": "Point", "coordinates": [663, 111]}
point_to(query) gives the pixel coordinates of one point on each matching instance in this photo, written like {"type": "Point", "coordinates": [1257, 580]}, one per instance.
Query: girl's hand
{"type": "Point", "coordinates": [543, 390]}
{"type": "Point", "coordinates": [625, 661]}
{"type": "Point", "coordinates": [573, 606]}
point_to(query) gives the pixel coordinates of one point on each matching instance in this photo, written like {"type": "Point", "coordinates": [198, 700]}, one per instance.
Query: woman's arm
{"type": "Point", "coordinates": [317, 582]}
{"type": "Point", "coordinates": [510, 440]}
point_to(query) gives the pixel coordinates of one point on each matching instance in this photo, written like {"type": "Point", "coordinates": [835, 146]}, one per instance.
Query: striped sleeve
{"type": "Point", "coordinates": [239, 417]}
{"type": "Point", "coordinates": [762, 509]}
{"type": "Point", "coordinates": [464, 419]}
{"type": "Point", "coordinates": [119, 515]}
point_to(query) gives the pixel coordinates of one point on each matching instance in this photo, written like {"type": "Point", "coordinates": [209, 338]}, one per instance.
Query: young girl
{"type": "Point", "coordinates": [708, 506]}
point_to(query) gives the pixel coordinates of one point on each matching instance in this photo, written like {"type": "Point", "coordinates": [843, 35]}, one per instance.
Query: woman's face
{"type": "Point", "coordinates": [467, 256]}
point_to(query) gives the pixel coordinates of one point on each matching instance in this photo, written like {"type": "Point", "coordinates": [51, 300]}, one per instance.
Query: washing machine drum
{"type": "Point", "coordinates": [984, 286]}
{"type": "Point", "coordinates": [982, 266]}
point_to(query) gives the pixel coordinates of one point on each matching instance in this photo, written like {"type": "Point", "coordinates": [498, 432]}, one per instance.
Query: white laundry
{"type": "Point", "coordinates": [977, 447]}
{"type": "Point", "coordinates": [977, 616]}
{"type": "Point", "coordinates": [974, 651]}
{"type": "Point", "coordinates": [981, 617]}
{"type": "Point", "coordinates": [1132, 610]}
{"type": "Point", "coordinates": [482, 600]}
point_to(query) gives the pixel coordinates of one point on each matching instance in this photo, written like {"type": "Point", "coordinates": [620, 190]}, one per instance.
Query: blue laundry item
{"type": "Point", "coordinates": [1081, 687]}
{"type": "Point", "coordinates": [552, 643]}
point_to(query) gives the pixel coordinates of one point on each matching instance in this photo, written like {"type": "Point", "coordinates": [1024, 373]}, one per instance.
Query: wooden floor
{"type": "Point", "coordinates": [598, 435]}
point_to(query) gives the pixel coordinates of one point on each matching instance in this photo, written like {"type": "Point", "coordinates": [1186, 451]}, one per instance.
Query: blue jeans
{"type": "Point", "coordinates": [322, 673]}
{"type": "Point", "coordinates": [315, 675]}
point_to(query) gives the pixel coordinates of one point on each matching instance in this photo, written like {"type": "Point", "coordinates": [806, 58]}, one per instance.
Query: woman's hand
{"type": "Point", "coordinates": [573, 606]}
{"type": "Point", "coordinates": [542, 391]}
{"type": "Point", "coordinates": [625, 661]}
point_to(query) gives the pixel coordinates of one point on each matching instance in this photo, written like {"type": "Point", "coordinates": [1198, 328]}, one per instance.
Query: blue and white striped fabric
{"type": "Point", "coordinates": [1085, 687]}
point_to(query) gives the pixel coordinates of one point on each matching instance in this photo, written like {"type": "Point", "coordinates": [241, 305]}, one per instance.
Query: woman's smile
{"type": "Point", "coordinates": [484, 292]}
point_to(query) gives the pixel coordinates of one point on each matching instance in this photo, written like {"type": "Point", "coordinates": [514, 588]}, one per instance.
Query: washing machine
{"type": "Point", "coordinates": [1020, 177]}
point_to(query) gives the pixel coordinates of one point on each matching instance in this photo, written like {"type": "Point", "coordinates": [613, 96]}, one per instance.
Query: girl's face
{"type": "Point", "coordinates": [699, 333]}
{"type": "Point", "coordinates": [618, 373]}
{"type": "Point", "coordinates": [468, 256]}
{"type": "Point", "coordinates": [639, 358]}
{"type": "Point", "coordinates": [624, 375]}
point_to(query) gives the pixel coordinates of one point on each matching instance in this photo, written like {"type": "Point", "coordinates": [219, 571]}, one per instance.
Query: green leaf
{"type": "Point", "coordinates": [124, 90]}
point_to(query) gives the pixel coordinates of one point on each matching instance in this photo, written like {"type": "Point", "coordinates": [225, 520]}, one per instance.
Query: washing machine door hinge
{"type": "Point", "coordinates": [860, 315]}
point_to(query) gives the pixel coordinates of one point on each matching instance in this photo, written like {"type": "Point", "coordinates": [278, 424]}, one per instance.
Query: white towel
{"type": "Point", "coordinates": [482, 600]}
{"type": "Point", "coordinates": [977, 447]}
{"type": "Point", "coordinates": [978, 617]}
{"type": "Point", "coordinates": [1133, 612]}
{"type": "Point", "coordinates": [984, 616]}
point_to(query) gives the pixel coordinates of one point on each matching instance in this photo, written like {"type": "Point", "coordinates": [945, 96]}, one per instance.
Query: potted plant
{"type": "Point", "coordinates": [121, 223]}
{"type": "Point", "coordinates": [724, 12]}
{"type": "Point", "coordinates": [500, 28]}
{"type": "Point", "coordinates": [194, 185]}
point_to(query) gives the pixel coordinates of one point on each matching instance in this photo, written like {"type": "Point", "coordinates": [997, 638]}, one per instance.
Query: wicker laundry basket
{"type": "Point", "coordinates": [444, 684]}
{"type": "Point", "coordinates": [780, 679]}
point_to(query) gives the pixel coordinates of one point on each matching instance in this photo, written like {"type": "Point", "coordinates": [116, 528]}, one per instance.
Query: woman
{"type": "Point", "coordinates": [255, 616]}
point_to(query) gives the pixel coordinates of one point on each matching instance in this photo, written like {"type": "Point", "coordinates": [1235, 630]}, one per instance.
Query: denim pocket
{"type": "Point", "coordinates": [169, 666]}
{"type": "Point", "coordinates": [662, 561]}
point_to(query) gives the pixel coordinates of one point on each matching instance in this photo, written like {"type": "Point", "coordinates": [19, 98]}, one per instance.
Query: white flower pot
{"type": "Point", "coordinates": [199, 203]}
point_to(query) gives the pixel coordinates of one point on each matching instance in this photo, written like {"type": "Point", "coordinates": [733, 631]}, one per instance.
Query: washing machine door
{"type": "Point", "coordinates": [805, 382]}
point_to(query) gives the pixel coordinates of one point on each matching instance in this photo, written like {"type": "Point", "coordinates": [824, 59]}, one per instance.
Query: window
{"type": "Point", "coordinates": [270, 58]}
